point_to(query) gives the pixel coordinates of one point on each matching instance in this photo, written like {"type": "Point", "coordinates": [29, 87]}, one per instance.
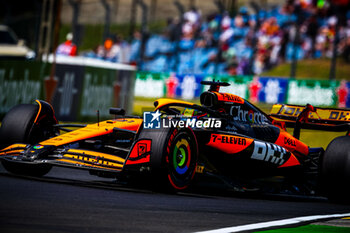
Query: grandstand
{"type": "Point", "coordinates": [249, 42]}
{"type": "Point", "coordinates": [224, 37]}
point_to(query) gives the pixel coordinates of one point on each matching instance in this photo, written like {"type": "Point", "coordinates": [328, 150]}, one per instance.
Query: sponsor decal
{"type": "Point", "coordinates": [339, 115]}
{"type": "Point", "coordinates": [199, 169]}
{"type": "Point", "coordinates": [292, 111]}
{"type": "Point", "coordinates": [228, 143]}
{"type": "Point", "coordinates": [230, 98]}
{"type": "Point", "coordinates": [141, 148]}
{"type": "Point", "coordinates": [291, 144]}
{"type": "Point", "coordinates": [269, 152]}
{"type": "Point", "coordinates": [321, 114]}
{"type": "Point", "coordinates": [315, 93]}
{"type": "Point", "coordinates": [289, 141]}
{"type": "Point", "coordinates": [231, 128]}
{"type": "Point", "coordinates": [228, 139]}
{"type": "Point", "coordinates": [188, 86]}
{"type": "Point", "coordinates": [139, 152]}
{"type": "Point", "coordinates": [149, 85]}
{"type": "Point", "coordinates": [94, 160]}
{"type": "Point", "coordinates": [272, 91]}
{"type": "Point", "coordinates": [172, 136]}
{"type": "Point", "coordinates": [56, 139]}
{"type": "Point", "coordinates": [247, 115]}
{"type": "Point", "coordinates": [38, 147]}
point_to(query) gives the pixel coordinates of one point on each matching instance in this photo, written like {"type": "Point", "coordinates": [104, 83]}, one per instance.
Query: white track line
{"type": "Point", "coordinates": [284, 222]}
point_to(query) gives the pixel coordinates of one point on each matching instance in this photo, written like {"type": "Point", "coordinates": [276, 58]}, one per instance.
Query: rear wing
{"type": "Point", "coordinates": [309, 117]}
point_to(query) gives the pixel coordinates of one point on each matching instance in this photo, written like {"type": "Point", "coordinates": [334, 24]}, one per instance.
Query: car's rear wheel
{"type": "Point", "coordinates": [173, 157]}
{"type": "Point", "coordinates": [18, 127]}
{"type": "Point", "coordinates": [335, 169]}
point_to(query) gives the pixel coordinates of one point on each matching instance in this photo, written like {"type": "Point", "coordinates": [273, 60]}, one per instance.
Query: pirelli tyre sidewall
{"type": "Point", "coordinates": [174, 154]}
{"type": "Point", "coordinates": [335, 170]}
{"type": "Point", "coordinates": [18, 127]}
{"type": "Point", "coordinates": [181, 158]}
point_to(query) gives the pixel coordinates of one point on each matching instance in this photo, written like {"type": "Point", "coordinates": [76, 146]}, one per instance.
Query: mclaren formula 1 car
{"type": "Point", "coordinates": [226, 137]}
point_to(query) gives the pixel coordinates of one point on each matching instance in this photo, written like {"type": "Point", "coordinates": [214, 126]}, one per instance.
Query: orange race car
{"type": "Point", "coordinates": [226, 137]}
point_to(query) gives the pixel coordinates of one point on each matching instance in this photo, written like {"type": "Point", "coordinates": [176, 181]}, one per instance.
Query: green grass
{"type": "Point", "coordinates": [312, 69]}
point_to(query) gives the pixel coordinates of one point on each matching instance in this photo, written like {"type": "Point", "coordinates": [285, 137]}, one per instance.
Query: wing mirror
{"type": "Point", "coordinates": [117, 111]}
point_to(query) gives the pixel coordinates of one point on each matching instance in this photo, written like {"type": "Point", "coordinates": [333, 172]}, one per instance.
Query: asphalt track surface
{"type": "Point", "coordinates": [68, 200]}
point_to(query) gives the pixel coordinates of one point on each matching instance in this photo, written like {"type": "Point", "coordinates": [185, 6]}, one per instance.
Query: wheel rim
{"type": "Point", "coordinates": [181, 156]}
{"type": "Point", "coordinates": [182, 162]}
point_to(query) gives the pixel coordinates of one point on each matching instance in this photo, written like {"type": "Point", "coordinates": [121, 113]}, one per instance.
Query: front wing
{"type": "Point", "coordinates": [138, 154]}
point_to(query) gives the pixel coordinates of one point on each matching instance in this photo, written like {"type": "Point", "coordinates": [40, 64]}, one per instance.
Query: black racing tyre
{"type": "Point", "coordinates": [18, 127]}
{"type": "Point", "coordinates": [173, 157]}
{"type": "Point", "coordinates": [17, 124]}
{"type": "Point", "coordinates": [335, 170]}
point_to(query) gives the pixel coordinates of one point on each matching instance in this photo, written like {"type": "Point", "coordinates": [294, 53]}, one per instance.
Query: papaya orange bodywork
{"type": "Point", "coordinates": [164, 101]}
{"type": "Point", "coordinates": [96, 154]}
{"type": "Point", "coordinates": [94, 130]}
{"type": "Point", "coordinates": [292, 161]}
{"type": "Point", "coordinates": [13, 149]}
{"type": "Point", "coordinates": [140, 153]}
{"type": "Point", "coordinates": [228, 143]}
{"type": "Point", "coordinates": [229, 98]}
{"type": "Point", "coordinates": [12, 152]}
{"type": "Point", "coordinates": [291, 143]}
{"type": "Point", "coordinates": [40, 107]}
{"type": "Point", "coordinates": [89, 165]}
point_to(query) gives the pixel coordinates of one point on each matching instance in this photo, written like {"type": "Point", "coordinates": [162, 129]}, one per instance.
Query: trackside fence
{"type": "Point", "coordinates": [76, 87]}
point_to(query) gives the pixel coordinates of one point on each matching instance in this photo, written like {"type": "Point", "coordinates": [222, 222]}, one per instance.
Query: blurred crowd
{"type": "Point", "coordinates": [250, 42]}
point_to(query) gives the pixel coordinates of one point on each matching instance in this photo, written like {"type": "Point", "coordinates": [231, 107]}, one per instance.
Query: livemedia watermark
{"type": "Point", "coordinates": [153, 120]}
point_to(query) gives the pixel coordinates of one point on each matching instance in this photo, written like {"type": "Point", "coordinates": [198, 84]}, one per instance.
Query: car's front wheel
{"type": "Point", "coordinates": [173, 157]}
{"type": "Point", "coordinates": [19, 126]}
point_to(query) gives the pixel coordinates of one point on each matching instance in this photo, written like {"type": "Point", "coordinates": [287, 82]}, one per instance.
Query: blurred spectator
{"type": "Point", "coordinates": [345, 44]}
{"type": "Point", "coordinates": [110, 50]}
{"type": "Point", "coordinates": [249, 42]}
{"type": "Point", "coordinates": [67, 48]}
{"type": "Point", "coordinates": [191, 23]}
{"type": "Point", "coordinates": [174, 28]}
{"type": "Point", "coordinates": [135, 48]}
